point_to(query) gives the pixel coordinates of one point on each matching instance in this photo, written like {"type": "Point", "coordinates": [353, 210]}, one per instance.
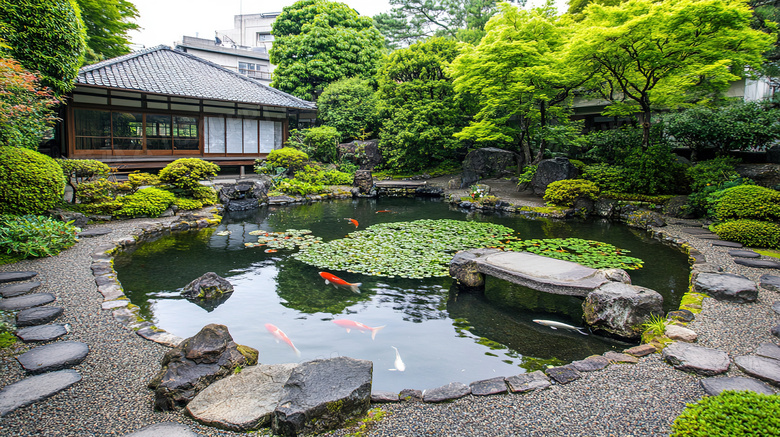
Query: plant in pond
{"type": "Point", "coordinates": [417, 249]}
{"type": "Point", "coordinates": [289, 239]}
{"type": "Point", "coordinates": [589, 253]}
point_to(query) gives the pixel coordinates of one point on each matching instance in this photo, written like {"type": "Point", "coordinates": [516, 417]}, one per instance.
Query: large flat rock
{"type": "Point", "coordinates": [451, 391]}
{"type": "Point", "coordinates": [726, 286]}
{"type": "Point", "coordinates": [94, 232]}
{"type": "Point", "coordinates": [526, 382]}
{"type": "Point", "coordinates": [243, 401]}
{"type": "Point", "coordinates": [770, 282]}
{"type": "Point", "coordinates": [766, 369]}
{"type": "Point", "coordinates": [164, 429]}
{"type": "Point", "coordinates": [37, 316]}
{"type": "Point", "coordinates": [768, 350]}
{"type": "Point", "coordinates": [487, 387]}
{"type": "Point", "coordinates": [716, 386]}
{"type": "Point", "coordinates": [26, 301]}
{"type": "Point", "coordinates": [696, 359]}
{"type": "Point", "coordinates": [34, 389]}
{"type": "Point", "coordinates": [758, 263]}
{"type": "Point", "coordinates": [722, 243]}
{"type": "Point", "coordinates": [41, 333]}
{"type": "Point", "coordinates": [16, 276]}
{"type": "Point", "coordinates": [542, 273]}
{"type": "Point", "coordinates": [53, 356]}
{"type": "Point", "coordinates": [19, 289]}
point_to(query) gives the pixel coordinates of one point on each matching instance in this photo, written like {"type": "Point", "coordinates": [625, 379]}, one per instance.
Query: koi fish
{"type": "Point", "coordinates": [354, 222]}
{"type": "Point", "coordinates": [556, 325]}
{"type": "Point", "coordinates": [271, 251]}
{"type": "Point", "coordinates": [398, 363]}
{"type": "Point", "coordinates": [349, 325]}
{"type": "Point", "coordinates": [279, 335]}
{"type": "Point", "coordinates": [383, 210]}
{"type": "Point", "coordinates": [338, 282]}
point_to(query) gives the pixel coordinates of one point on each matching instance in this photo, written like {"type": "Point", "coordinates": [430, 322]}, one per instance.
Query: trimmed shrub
{"type": "Point", "coordinates": [186, 173]}
{"type": "Point", "coordinates": [138, 179]}
{"type": "Point", "coordinates": [753, 233]}
{"type": "Point", "coordinates": [182, 203]}
{"type": "Point", "coordinates": [748, 202]}
{"type": "Point", "coordinates": [565, 192]}
{"type": "Point", "coordinates": [205, 195]}
{"type": "Point", "coordinates": [35, 236]}
{"type": "Point", "coordinates": [78, 171]}
{"type": "Point", "coordinates": [318, 143]}
{"type": "Point", "coordinates": [30, 182]}
{"type": "Point", "coordinates": [607, 177]}
{"type": "Point", "coordinates": [335, 177]}
{"type": "Point", "coordinates": [711, 173]}
{"type": "Point", "coordinates": [298, 187]}
{"type": "Point", "coordinates": [149, 202]}
{"type": "Point", "coordinates": [287, 157]}
{"type": "Point", "coordinates": [98, 191]}
{"type": "Point", "coordinates": [730, 414]}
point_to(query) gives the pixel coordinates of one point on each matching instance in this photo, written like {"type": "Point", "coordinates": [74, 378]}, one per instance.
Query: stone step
{"type": "Point", "coordinates": [722, 243]}
{"type": "Point", "coordinates": [37, 316]}
{"type": "Point", "coordinates": [26, 301]}
{"type": "Point", "coordinates": [164, 429]}
{"type": "Point", "coordinates": [42, 333]}
{"type": "Point", "coordinates": [716, 386]}
{"type": "Point", "coordinates": [696, 359]}
{"type": "Point", "coordinates": [770, 282]}
{"type": "Point", "coordinates": [96, 232]}
{"type": "Point", "coordinates": [16, 276]}
{"type": "Point", "coordinates": [53, 356]}
{"type": "Point", "coordinates": [35, 388]}
{"type": "Point", "coordinates": [744, 254]}
{"type": "Point", "coordinates": [697, 230]}
{"type": "Point", "coordinates": [766, 369]}
{"type": "Point", "coordinates": [18, 289]}
{"type": "Point", "coordinates": [758, 263]}
{"type": "Point", "coordinates": [707, 236]}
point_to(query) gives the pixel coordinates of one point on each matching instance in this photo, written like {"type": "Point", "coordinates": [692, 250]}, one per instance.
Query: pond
{"type": "Point", "coordinates": [441, 335]}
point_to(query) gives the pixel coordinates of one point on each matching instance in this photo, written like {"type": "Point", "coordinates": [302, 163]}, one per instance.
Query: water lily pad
{"type": "Point", "coordinates": [290, 239]}
{"type": "Point", "coordinates": [594, 254]}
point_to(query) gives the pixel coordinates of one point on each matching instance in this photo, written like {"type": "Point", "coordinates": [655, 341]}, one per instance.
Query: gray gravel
{"type": "Point", "coordinates": [622, 400]}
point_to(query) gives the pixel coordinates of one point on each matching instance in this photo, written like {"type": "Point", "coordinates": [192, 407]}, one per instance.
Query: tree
{"type": "Point", "coordinates": [107, 23]}
{"type": "Point", "coordinates": [318, 42]}
{"type": "Point", "coordinates": [520, 79]}
{"type": "Point", "coordinates": [419, 107]}
{"type": "Point", "coordinates": [349, 105]}
{"type": "Point", "coordinates": [45, 36]}
{"type": "Point", "coordinates": [646, 56]}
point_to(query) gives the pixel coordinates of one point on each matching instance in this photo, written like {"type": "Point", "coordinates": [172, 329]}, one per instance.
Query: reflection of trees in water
{"type": "Point", "coordinates": [556, 228]}
{"type": "Point", "coordinates": [301, 288]}
{"type": "Point", "coordinates": [516, 297]}
{"type": "Point", "coordinates": [417, 302]}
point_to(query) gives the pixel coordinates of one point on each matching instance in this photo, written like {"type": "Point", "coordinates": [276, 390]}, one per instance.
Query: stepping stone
{"type": "Point", "coordinates": [96, 232]}
{"type": "Point", "coordinates": [716, 386]}
{"type": "Point", "coordinates": [34, 389]}
{"type": "Point", "coordinates": [383, 397]}
{"type": "Point", "coordinates": [708, 236]}
{"type": "Point", "coordinates": [53, 356]}
{"type": "Point", "coordinates": [16, 276]}
{"type": "Point", "coordinates": [591, 364]}
{"type": "Point", "coordinates": [770, 282]}
{"type": "Point", "coordinates": [27, 301]}
{"type": "Point", "coordinates": [410, 395]}
{"type": "Point", "coordinates": [451, 391]}
{"type": "Point", "coordinates": [744, 254]}
{"type": "Point", "coordinates": [765, 369]}
{"type": "Point", "coordinates": [525, 382]}
{"type": "Point", "coordinates": [37, 316]}
{"type": "Point", "coordinates": [758, 263]}
{"type": "Point", "coordinates": [697, 230]}
{"type": "Point", "coordinates": [563, 374]}
{"type": "Point", "coordinates": [167, 429]}
{"type": "Point", "coordinates": [680, 333]}
{"type": "Point", "coordinates": [487, 387]}
{"type": "Point", "coordinates": [776, 307]}
{"type": "Point", "coordinates": [768, 350]}
{"type": "Point", "coordinates": [726, 243]}
{"type": "Point", "coordinates": [685, 316]}
{"type": "Point", "coordinates": [696, 359]}
{"type": "Point", "coordinates": [641, 350]}
{"type": "Point", "coordinates": [41, 333]}
{"type": "Point", "coordinates": [18, 289]}
{"type": "Point", "coordinates": [726, 286]}
{"type": "Point", "coordinates": [617, 357]}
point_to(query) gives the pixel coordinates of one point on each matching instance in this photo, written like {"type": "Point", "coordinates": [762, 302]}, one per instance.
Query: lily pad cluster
{"type": "Point", "coordinates": [417, 249]}
{"type": "Point", "coordinates": [290, 239]}
{"type": "Point", "coordinates": [594, 254]}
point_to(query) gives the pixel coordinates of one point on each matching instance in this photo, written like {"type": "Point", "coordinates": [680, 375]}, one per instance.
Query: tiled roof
{"type": "Point", "coordinates": [166, 71]}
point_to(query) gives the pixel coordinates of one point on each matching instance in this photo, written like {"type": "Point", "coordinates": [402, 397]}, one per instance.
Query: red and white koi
{"type": "Point", "coordinates": [354, 222]}
{"type": "Point", "coordinates": [279, 335]}
{"type": "Point", "coordinates": [338, 282]}
{"type": "Point", "coordinates": [351, 324]}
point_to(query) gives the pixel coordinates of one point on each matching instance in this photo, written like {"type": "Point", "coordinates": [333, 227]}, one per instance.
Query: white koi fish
{"type": "Point", "coordinates": [557, 325]}
{"type": "Point", "coordinates": [398, 363]}
{"type": "Point", "coordinates": [350, 324]}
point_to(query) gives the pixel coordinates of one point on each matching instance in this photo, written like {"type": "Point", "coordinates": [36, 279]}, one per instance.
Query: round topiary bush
{"type": "Point", "coordinates": [753, 233]}
{"type": "Point", "coordinates": [749, 202]}
{"type": "Point", "coordinates": [565, 192]}
{"type": "Point", "coordinates": [149, 202]}
{"type": "Point", "coordinates": [186, 173]}
{"type": "Point", "coordinates": [287, 157]}
{"type": "Point", "coordinates": [730, 414]}
{"type": "Point", "coordinates": [30, 182]}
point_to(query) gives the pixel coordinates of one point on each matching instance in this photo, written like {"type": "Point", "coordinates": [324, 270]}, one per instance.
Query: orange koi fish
{"type": "Point", "coordinates": [338, 282]}
{"type": "Point", "coordinates": [383, 210]}
{"type": "Point", "coordinates": [354, 222]}
{"type": "Point", "coordinates": [279, 335]}
{"type": "Point", "coordinates": [350, 324]}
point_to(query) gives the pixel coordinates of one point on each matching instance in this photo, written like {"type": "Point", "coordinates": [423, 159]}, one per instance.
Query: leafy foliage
{"type": "Point", "coordinates": [610, 146]}
{"type": "Point", "coordinates": [594, 254]}
{"type": "Point", "coordinates": [78, 171]}
{"type": "Point", "coordinates": [186, 173]}
{"type": "Point", "coordinates": [749, 201]}
{"type": "Point", "coordinates": [30, 182]}
{"type": "Point", "coordinates": [419, 107]}
{"type": "Point", "coordinates": [149, 202]}
{"type": "Point", "coordinates": [46, 36]}
{"type": "Point", "coordinates": [730, 414]}
{"type": "Point", "coordinates": [25, 106]}
{"type": "Point", "coordinates": [287, 158]}
{"type": "Point", "coordinates": [298, 187]}
{"type": "Point", "coordinates": [753, 233]}
{"type": "Point", "coordinates": [565, 192]}
{"type": "Point", "coordinates": [417, 249]}
{"type": "Point", "coordinates": [107, 23]}
{"type": "Point", "coordinates": [317, 42]}
{"type": "Point", "coordinates": [187, 204]}
{"type": "Point", "coordinates": [137, 179]}
{"type": "Point", "coordinates": [711, 173]}
{"type": "Point", "coordinates": [654, 170]}
{"type": "Point", "coordinates": [35, 236]}
{"type": "Point", "coordinates": [319, 143]}
{"type": "Point", "coordinates": [349, 106]}
{"type": "Point", "coordinates": [607, 177]}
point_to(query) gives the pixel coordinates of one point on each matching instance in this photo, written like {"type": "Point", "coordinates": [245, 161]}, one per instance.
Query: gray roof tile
{"type": "Point", "coordinates": [166, 71]}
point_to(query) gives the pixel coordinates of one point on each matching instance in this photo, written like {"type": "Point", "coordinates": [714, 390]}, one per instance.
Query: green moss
{"type": "Point", "coordinates": [363, 425]}
{"type": "Point", "coordinates": [692, 301]}
{"type": "Point", "coordinates": [251, 354]}
{"type": "Point", "coordinates": [335, 406]}
{"type": "Point", "coordinates": [767, 252]}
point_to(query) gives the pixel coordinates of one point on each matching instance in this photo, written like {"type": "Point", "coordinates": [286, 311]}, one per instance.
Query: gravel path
{"type": "Point", "coordinates": [623, 400]}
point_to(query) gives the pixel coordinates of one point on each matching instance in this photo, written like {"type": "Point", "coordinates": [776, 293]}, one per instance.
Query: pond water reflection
{"type": "Point", "coordinates": [441, 335]}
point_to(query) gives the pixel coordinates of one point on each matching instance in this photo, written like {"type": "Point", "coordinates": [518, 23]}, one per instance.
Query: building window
{"type": "Point", "coordinates": [237, 135]}
{"type": "Point", "coordinates": [255, 71]}
{"type": "Point", "coordinates": [93, 130]}
{"type": "Point", "coordinates": [264, 37]}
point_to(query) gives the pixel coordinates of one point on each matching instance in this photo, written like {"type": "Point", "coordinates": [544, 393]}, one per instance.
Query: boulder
{"type": "Point", "coordinates": [680, 333]}
{"type": "Point", "coordinates": [322, 395]}
{"type": "Point", "coordinates": [765, 175]}
{"type": "Point", "coordinates": [245, 195]}
{"type": "Point", "coordinates": [489, 162]}
{"type": "Point", "coordinates": [621, 309]}
{"type": "Point", "coordinates": [196, 363]}
{"type": "Point", "coordinates": [551, 170]}
{"type": "Point", "coordinates": [365, 154]}
{"type": "Point", "coordinates": [78, 219]}
{"type": "Point", "coordinates": [725, 286]}
{"type": "Point", "coordinates": [243, 401]}
{"type": "Point", "coordinates": [208, 286]}
{"type": "Point", "coordinates": [678, 207]}
{"type": "Point", "coordinates": [606, 208]}
{"type": "Point", "coordinates": [696, 359]}
{"type": "Point", "coordinates": [464, 269]}
{"type": "Point", "coordinates": [364, 182]}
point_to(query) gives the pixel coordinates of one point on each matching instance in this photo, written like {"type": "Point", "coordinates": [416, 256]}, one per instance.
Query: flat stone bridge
{"type": "Point", "coordinates": [537, 272]}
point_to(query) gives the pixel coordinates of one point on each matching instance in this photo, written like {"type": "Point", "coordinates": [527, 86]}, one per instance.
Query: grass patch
{"type": "Point", "coordinates": [768, 252]}
{"type": "Point", "coordinates": [364, 424]}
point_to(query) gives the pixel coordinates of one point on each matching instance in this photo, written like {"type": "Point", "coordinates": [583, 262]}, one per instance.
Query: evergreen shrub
{"type": "Point", "coordinates": [30, 182]}
{"type": "Point", "coordinates": [730, 414]}
{"type": "Point", "coordinates": [608, 177]}
{"type": "Point", "coordinates": [287, 157]}
{"type": "Point", "coordinates": [35, 236]}
{"type": "Point", "coordinates": [187, 204]}
{"type": "Point", "coordinates": [318, 143]}
{"type": "Point", "coordinates": [138, 179]}
{"type": "Point", "coordinates": [748, 202]}
{"type": "Point", "coordinates": [711, 173]}
{"type": "Point", "coordinates": [186, 173]}
{"type": "Point", "coordinates": [753, 233]}
{"type": "Point", "coordinates": [149, 202]}
{"type": "Point", "coordinates": [565, 192]}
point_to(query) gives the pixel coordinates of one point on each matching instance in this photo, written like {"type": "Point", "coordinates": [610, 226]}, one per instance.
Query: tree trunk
{"type": "Point", "coordinates": [524, 144]}
{"type": "Point", "coordinates": [542, 125]}
{"type": "Point", "coordinates": [644, 121]}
